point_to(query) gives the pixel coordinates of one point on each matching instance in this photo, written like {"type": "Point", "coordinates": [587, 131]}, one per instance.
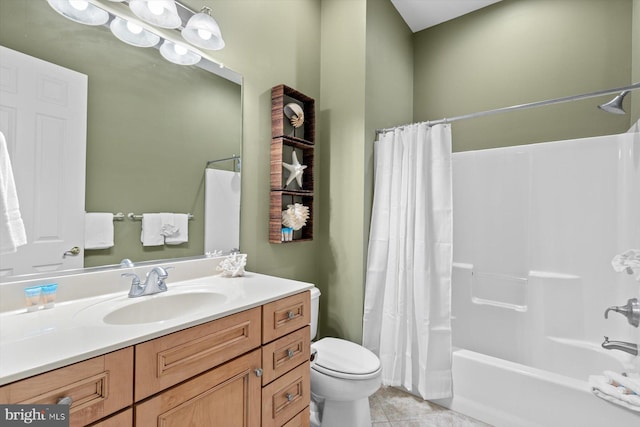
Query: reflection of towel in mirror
{"type": "Point", "coordinates": [98, 230]}
{"type": "Point", "coordinates": [11, 224]}
{"type": "Point", "coordinates": [618, 394]}
{"type": "Point", "coordinates": [168, 227]}
{"type": "Point", "coordinates": [181, 234]}
{"type": "Point", "coordinates": [151, 227]}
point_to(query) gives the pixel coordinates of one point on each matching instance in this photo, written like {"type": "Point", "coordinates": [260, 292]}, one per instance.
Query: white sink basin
{"type": "Point", "coordinates": [173, 304]}
{"type": "Point", "coordinates": [163, 306]}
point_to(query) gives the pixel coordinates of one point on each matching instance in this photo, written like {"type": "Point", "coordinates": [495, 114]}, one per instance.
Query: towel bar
{"type": "Point", "coordinates": [135, 217]}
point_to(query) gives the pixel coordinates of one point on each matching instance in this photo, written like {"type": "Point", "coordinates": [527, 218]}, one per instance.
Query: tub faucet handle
{"type": "Point", "coordinates": [631, 311]}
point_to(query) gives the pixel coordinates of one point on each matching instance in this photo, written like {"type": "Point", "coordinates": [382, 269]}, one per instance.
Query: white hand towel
{"type": "Point", "coordinates": [181, 235]}
{"type": "Point", "coordinates": [168, 227]}
{"type": "Point", "coordinates": [12, 230]}
{"type": "Point", "coordinates": [98, 230]}
{"type": "Point", "coordinates": [151, 228]}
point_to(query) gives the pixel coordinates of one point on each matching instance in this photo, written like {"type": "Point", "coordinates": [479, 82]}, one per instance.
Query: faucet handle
{"type": "Point", "coordinates": [631, 311]}
{"type": "Point", "coordinates": [135, 280]}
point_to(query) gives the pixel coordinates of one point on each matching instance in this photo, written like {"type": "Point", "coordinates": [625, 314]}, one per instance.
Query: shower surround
{"type": "Point", "coordinates": [535, 229]}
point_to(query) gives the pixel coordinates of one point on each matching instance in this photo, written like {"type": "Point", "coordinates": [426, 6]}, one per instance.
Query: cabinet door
{"type": "Point", "coordinates": [227, 396]}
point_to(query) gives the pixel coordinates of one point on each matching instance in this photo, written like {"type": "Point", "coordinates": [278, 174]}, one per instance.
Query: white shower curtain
{"type": "Point", "coordinates": [408, 282]}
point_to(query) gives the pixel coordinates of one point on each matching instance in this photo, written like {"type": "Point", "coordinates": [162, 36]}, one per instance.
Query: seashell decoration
{"type": "Point", "coordinates": [295, 216]}
{"type": "Point", "coordinates": [233, 265]}
{"type": "Point", "coordinates": [295, 114]}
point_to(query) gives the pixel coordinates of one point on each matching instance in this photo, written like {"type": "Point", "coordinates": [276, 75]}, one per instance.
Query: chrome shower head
{"type": "Point", "coordinates": [615, 105]}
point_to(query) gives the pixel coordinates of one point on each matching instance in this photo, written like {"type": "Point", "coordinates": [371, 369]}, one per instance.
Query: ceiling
{"type": "Point", "coordinates": [421, 14]}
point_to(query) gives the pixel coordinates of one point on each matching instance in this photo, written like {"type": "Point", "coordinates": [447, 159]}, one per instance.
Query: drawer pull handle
{"type": "Point", "coordinates": [258, 372]}
{"type": "Point", "coordinates": [67, 400]}
{"type": "Point", "coordinates": [290, 353]}
{"type": "Point", "coordinates": [290, 315]}
{"type": "Point", "coordinates": [290, 397]}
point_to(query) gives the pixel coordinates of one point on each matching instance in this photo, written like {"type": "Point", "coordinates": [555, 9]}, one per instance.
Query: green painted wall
{"type": "Point", "coordinates": [270, 43]}
{"type": "Point", "coordinates": [341, 166]}
{"type": "Point", "coordinates": [635, 62]}
{"type": "Point", "coordinates": [520, 51]}
{"type": "Point", "coordinates": [366, 83]}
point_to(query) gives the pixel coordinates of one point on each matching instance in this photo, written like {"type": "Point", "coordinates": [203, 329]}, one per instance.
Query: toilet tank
{"type": "Point", "coordinates": [315, 303]}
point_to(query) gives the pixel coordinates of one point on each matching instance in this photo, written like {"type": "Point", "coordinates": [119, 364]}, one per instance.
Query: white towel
{"type": "Point", "coordinates": [181, 230]}
{"type": "Point", "coordinates": [618, 395]}
{"type": "Point", "coordinates": [12, 232]}
{"type": "Point", "coordinates": [629, 383]}
{"type": "Point", "coordinates": [151, 229]}
{"type": "Point", "coordinates": [168, 227]}
{"type": "Point", "coordinates": [222, 210]}
{"type": "Point", "coordinates": [98, 230]}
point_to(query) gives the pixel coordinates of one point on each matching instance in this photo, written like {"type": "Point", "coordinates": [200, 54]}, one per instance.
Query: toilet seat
{"type": "Point", "coordinates": [344, 359]}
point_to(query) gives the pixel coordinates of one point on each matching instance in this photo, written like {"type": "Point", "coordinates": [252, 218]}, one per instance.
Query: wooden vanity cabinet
{"type": "Point", "coordinates": [247, 369]}
{"type": "Point", "coordinates": [98, 387]}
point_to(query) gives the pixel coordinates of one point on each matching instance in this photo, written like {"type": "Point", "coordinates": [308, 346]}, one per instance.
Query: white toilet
{"type": "Point", "coordinates": [343, 376]}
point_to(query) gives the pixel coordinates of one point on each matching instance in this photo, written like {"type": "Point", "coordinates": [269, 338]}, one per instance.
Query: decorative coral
{"type": "Point", "coordinates": [233, 265]}
{"type": "Point", "coordinates": [295, 216]}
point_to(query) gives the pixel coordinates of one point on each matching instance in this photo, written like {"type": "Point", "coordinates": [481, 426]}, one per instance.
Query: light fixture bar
{"type": "Point", "coordinates": [207, 62]}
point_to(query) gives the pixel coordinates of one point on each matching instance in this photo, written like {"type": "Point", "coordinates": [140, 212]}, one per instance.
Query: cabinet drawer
{"type": "Point", "coordinates": [286, 396]}
{"type": "Point", "coordinates": [285, 315]}
{"type": "Point", "coordinates": [300, 420]}
{"type": "Point", "coordinates": [228, 395]}
{"type": "Point", "coordinates": [173, 358]}
{"type": "Point", "coordinates": [284, 354]}
{"type": "Point", "coordinates": [98, 387]}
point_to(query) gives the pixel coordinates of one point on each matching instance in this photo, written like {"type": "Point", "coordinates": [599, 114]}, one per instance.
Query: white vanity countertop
{"type": "Point", "coordinates": [72, 331]}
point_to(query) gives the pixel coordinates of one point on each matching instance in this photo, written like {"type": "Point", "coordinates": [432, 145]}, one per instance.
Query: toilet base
{"type": "Point", "coordinates": [354, 413]}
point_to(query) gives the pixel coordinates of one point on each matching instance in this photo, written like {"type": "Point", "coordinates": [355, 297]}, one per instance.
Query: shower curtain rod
{"type": "Point", "coordinates": [519, 107]}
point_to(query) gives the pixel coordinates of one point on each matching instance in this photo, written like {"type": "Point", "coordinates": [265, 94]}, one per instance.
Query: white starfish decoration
{"type": "Point", "coordinates": [295, 170]}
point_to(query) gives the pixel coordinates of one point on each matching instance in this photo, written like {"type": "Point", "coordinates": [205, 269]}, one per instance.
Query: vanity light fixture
{"type": "Point", "coordinates": [132, 33]}
{"type": "Point", "coordinates": [203, 31]}
{"type": "Point", "coordinates": [161, 13]}
{"type": "Point", "coordinates": [80, 11]}
{"type": "Point", "coordinates": [178, 54]}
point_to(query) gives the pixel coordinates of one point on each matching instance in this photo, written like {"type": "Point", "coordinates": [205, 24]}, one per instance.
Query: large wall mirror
{"type": "Point", "coordinates": [151, 126]}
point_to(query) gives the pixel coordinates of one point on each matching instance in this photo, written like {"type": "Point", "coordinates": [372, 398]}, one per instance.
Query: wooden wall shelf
{"type": "Point", "coordinates": [285, 140]}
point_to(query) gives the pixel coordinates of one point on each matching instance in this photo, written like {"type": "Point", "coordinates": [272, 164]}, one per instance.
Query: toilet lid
{"type": "Point", "coordinates": [344, 359]}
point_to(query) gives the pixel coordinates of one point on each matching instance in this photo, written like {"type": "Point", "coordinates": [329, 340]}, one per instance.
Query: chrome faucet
{"type": "Point", "coordinates": [631, 310]}
{"type": "Point", "coordinates": [627, 347]}
{"type": "Point", "coordinates": [154, 282]}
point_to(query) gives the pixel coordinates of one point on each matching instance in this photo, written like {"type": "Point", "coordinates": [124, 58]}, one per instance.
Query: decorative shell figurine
{"type": "Point", "coordinates": [233, 265]}
{"type": "Point", "coordinates": [295, 216]}
{"type": "Point", "coordinates": [295, 114]}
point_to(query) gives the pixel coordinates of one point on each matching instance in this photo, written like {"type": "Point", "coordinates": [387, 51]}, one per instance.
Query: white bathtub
{"type": "Point", "coordinates": [535, 228]}
{"type": "Point", "coordinates": [507, 394]}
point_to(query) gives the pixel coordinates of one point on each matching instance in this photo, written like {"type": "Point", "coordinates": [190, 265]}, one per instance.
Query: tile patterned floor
{"type": "Point", "coordinates": [391, 407]}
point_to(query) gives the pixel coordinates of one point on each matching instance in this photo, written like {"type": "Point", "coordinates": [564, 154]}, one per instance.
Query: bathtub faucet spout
{"type": "Point", "coordinates": [627, 347]}
{"type": "Point", "coordinates": [631, 311]}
